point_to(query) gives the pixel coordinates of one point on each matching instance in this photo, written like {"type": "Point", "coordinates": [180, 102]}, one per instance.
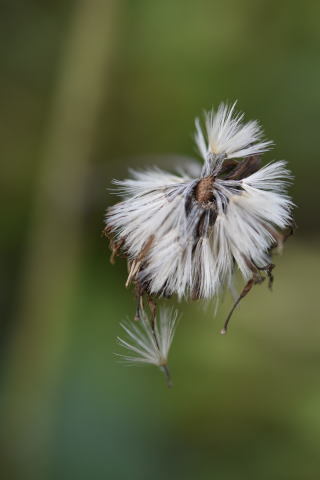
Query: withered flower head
{"type": "Point", "coordinates": [187, 233]}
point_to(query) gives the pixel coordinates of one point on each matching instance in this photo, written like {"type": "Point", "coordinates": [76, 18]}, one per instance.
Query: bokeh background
{"type": "Point", "coordinates": [88, 89]}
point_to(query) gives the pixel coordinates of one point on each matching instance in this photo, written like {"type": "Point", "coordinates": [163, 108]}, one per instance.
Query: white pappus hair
{"type": "Point", "coordinates": [228, 135]}
{"type": "Point", "coordinates": [186, 233]}
{"type": "Point", "coordinates": [150, 342]}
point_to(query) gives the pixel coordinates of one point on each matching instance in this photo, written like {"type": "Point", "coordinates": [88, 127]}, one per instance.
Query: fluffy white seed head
{"type": "Point", "coordinates": [185, 233]}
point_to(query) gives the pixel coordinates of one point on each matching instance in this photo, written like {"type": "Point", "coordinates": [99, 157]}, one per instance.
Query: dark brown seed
{"type": "Point", "coordinates": [204, 190]}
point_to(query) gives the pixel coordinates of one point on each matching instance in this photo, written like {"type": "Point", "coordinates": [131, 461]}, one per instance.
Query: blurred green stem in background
{"type": "Point", "coordinates": [52, 261]}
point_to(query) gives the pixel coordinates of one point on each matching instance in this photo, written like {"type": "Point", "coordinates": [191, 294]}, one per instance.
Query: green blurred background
{"type": "Point", "coordinates": [88, 89]}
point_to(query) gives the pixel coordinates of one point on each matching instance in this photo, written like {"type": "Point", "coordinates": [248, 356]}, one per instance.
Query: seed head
{"type": "Point", "coordinates": [187, 233]}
